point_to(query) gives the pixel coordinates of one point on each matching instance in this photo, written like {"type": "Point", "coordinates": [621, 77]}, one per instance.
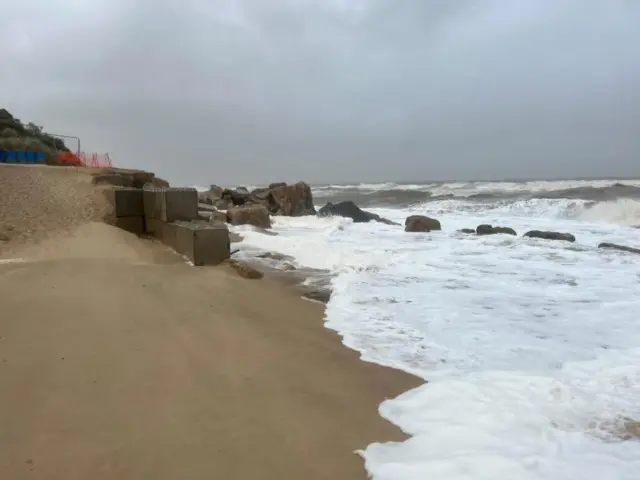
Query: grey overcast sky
{"type": "Point", "coordinates": [253, 91]}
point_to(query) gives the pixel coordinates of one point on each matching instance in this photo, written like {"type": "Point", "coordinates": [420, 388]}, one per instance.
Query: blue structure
{"type": "Point", "coordinates": [21, 157]}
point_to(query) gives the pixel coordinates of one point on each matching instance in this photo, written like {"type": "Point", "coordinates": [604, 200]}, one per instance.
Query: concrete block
{"type": "Point", "coordinates": [203, 243]}
{"type": "Point", "coordinates": [175, 204]}
{"type": "Point", "coordinates": [130, 224]}
{"type": "Point", "coordinates": [167, 234]}
{"type": "Point", "coordinates": [150, 200]}
{"type": "Point", "coordinates": [126, 202]}
{"type": "Point", "coordinates": [153, 227]}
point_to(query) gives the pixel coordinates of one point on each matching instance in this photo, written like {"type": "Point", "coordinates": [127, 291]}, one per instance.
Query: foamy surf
{"type": "Point", "coordinates": [530, 347]}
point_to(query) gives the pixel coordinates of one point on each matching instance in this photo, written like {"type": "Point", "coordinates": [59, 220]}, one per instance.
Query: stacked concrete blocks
{"type": "Point", "coordinates": [171, 215]}
{"type": "Point", "coordinates": [128, 209]}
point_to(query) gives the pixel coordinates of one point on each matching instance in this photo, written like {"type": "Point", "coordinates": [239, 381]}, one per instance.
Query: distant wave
{"type": "Point", "coordinates": [394, 195]}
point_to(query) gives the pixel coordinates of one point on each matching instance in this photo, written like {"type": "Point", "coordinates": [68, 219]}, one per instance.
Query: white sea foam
{"type": "Point", "coordinates": [531, 347]}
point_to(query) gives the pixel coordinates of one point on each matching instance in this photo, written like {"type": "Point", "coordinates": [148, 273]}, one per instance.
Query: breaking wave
{"type": "Point", "coordinates": [400, 195]}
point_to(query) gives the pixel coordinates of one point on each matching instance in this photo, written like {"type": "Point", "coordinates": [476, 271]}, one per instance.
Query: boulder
{"type": "Point", "coordinates": [256, 215]}
{"type": "Point", "coordinates": [236, 197]}
{"type": "Point", "coordinates": [621, 248]}
{"type": "Point", "coordinates": [275, 256]}
{"type": "Point", "coordinates": [217, 216]}
{"type": "Point", "coordinates": [318, 294]}
{"type": "Point", "coordinates": [245, 270]}
{"type": "Point", "coordinates": [467, 230]}
{"type": "Point", "coordinates": [567, 237]}
{"type": "Point", "coordinates": [350, 210]}
{"type": "Point", "coordinates": [223, 204]}
{"type": "Point", "coordinates": [491, 230]}
{"type": "Point", "coordinates": [260, 196]}
{"type": "Point", "coordinates": [215, 190]}
{"type": "Point", "coordinates": [276, 185]}
{"type": "Point", "coordinates": [421, 223]}
{"type": "Point", "coordinates": [291, 200]}
{"type": "Point", "coordinates": [211, 196]}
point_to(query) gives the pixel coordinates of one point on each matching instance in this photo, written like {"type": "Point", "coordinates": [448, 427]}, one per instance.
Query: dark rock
{"type": "Point", "coordinates": [420, 223]}
{"type": "Point", "coordinates": [245, 270]}
{"type": "Point", "coordinates": [567, 237]}
{"type": "Point", "coordinates": [491, 230]}
{"type": "Point", "coordinates": [467, 230]}
{"type": "Point", "coordinates": [317, 293]}
{"type": "Point", "coordinates": [287, 267]}
{"type": "Point", "coordinates": [236, 197]}
{"type": "Point", "coordinates": [275, 256]}
{"type": "Point", "coordinates": [621, 248]}
{"type": "Point", "coordinates": [276, 185]}
{"type": "Point", "coordinates": [350, 210]}
{"type": "Point", "coordinates": [256, 215]}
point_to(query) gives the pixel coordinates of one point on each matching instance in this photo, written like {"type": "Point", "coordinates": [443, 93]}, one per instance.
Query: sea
{"type": "Point", "coordinates": [529, 348]}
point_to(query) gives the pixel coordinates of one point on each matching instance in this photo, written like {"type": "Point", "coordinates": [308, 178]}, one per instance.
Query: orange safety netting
{"type": "Point", "coordinates": [82, 159]}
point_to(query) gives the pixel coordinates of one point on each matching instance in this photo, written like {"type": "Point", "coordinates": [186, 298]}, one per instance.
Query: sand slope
{"type": "Point", "coordinates": [38, 201]}
{"type": "Point", "coordinates": [119, 361]}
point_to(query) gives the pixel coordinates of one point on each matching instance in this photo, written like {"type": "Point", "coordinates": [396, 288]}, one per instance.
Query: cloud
{"type": "Point", "coordinates": [253, 91]}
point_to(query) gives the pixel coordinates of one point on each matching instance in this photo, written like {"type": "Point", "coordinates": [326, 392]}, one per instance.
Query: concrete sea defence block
{"type": "Point", "coordinates": [175, 204]}
{"type": "Point", "coordinates": [167, 234]}
{"type": "Point", "coordinates": [153, 227]}
{"type": "Point", "coordinates": [130, 224]}
{"type": "Point", "coordinates": [202, 243]}
{"type": "Point", "coordinates": [126, 202]}
{"type": "Point", "coordinates": [150, 199]}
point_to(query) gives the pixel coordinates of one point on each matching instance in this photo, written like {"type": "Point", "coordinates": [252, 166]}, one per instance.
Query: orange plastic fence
{"type": "Point", "coordinates": [83, 159]}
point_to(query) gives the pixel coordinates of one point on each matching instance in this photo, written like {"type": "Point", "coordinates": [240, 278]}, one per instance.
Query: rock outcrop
{"type": "Point", "coordinates": [491, 230]}
{"type": "Point", "coordinates": [256, 215]}
{"type": "Point", "coordinates": [421, 223]}
{"type": "Point", "coordinates": [467, 230]}
{"type": "Point", "coordinates": [622, 248]}
{"type": "Point", "coordinates": [350, 210]}
{"type": "Point", "coordinates": [566, 237]}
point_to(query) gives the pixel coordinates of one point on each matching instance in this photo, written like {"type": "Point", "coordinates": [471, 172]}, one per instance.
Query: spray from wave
{"type": "Point", "coordinates": [623, 211]}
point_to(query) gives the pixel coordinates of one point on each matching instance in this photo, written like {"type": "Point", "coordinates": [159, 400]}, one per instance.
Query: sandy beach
{"type": "Point", "coordinates": [120, 361]}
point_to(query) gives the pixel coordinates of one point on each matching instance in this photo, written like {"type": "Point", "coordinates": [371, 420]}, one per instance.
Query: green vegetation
{"type": "Point", "coordinates": [14, 135]}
